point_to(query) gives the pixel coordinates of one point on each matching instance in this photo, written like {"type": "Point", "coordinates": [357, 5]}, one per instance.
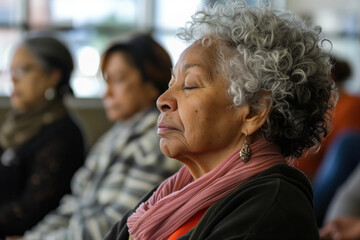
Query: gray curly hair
{"type": "Point", "coordinates": [274, 52]}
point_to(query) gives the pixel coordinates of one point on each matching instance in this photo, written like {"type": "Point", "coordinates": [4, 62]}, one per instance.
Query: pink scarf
{"type": "Point", "coordinates": [179, 197]}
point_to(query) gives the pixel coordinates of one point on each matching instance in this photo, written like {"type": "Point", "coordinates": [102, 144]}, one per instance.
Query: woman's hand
{"type": "Point", "coordinates": [344, 228]}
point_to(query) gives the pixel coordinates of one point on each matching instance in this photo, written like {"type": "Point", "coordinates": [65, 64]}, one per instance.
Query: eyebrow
{"type": "Point", "coordinates": [187, 66]}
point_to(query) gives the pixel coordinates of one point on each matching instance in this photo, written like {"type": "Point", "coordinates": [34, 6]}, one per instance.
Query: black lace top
{"type": "Point", "coordinates": [35, 176]}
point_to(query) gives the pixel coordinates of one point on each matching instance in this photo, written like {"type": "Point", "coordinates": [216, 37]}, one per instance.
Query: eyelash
{"type": "Point", "coordinates": [189, 88]}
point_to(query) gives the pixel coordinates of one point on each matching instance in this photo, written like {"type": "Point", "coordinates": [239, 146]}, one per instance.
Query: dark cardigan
{"type": "Point", "coordinates": [39, 175]}
{"type": "Point", "coordinates": [276, 204]}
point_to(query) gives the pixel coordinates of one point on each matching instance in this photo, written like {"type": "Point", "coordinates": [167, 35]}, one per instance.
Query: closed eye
{"type": "Point", "coordinates": [190, 87]}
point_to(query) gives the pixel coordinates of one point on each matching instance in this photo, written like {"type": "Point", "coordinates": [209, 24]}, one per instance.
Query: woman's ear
{"type": "Point", "coordinates": [256, 117]}
{"type": "Point", "coordinates": [54, 78]}
{"type": "Point", "coordinates": [152, 91]}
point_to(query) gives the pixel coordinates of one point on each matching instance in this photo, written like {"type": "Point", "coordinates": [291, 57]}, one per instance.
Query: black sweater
{"type": "Point", "coordinates": [39, 176]}
{"type": "Point", "coordinates": [276, 204]}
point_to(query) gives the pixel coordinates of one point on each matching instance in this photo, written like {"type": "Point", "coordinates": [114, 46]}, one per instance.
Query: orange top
{"type": "Point", "coordinates": [188, 225]}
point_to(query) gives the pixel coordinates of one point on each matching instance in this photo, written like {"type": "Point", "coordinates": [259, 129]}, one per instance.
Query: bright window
{"type": "Point", "coordinates": [87, 26]}
{"type": "Point", "coordinates": [88, 30]}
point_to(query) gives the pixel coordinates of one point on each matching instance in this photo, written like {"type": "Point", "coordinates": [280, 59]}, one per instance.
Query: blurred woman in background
{"type": "Point", "coordinates": [126, 162]}
{"type": "Point", "coordinates": [40, 144]}
{"type": "Point", "coordinates": [342, 219]}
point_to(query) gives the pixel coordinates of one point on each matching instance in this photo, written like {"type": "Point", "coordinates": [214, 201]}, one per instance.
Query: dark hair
{"type": "Point", "coordinates": [151, 59]}
{"type": "Point", "coordinates": [52, 54]}
{"type": "Point", "coordinates": [340, 71]}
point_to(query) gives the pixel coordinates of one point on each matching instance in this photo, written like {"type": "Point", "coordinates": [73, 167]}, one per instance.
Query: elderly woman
{"type": "Point", "coordinates": [41, 146]}
{"type": "Point", "coordinates": [248, 94]}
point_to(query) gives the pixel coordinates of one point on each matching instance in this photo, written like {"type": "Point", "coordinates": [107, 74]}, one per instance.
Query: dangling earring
{"type": "Point", "coordinates": [49, 94]}
{"type": "Point", "coordinates": [245, 153]}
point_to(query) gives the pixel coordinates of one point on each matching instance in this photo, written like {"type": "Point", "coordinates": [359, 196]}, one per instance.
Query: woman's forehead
{"type": "Point", "coordinates": [196, 55]}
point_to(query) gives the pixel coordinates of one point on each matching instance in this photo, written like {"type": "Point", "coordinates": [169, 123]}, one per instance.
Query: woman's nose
{"type": "Point", "coordinates": [167, 101]}
{"type": "Point", "coordinates": [107, 92]}
{"type": "Point", "coordinates": [14, 79]}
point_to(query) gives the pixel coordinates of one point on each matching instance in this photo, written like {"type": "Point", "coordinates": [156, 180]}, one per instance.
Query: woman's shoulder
{"type": "Point", "coordinates": [281, 186]}
{"type": "Point", "coordinates": [67, 122]}
{"type": "Point", "coordinates": [276, 182]}
{"type": "Point", "coordinates": [64, 133]}
{"type": "Point", "coordinates": [276, 204]}
{"type": "Point", "coordinates": [63, 128]}
{"type": "Point", "coordinates": [285, 174]}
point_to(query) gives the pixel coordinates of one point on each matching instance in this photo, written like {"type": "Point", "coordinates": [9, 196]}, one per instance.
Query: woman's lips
{"type": "Point", "coordinates": [163, 128]}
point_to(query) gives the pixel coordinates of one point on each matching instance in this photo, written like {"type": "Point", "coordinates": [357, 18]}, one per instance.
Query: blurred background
{"type": "Point", "coordinates": [88, 26]}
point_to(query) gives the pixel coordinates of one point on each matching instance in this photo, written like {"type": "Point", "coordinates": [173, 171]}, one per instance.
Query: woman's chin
{"type": "Point", "coordinates": [172, 150]}
{"type": "Point", "coordinates": [167, 149]}
{"type": "Point", "coordinates": [15, 104]}
{"type": "Point", "coordinates": [113, 116]}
